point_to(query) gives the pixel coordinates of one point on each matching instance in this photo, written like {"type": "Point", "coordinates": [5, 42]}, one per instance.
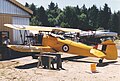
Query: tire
{"type": "Point", "coordinates": [101, 61]}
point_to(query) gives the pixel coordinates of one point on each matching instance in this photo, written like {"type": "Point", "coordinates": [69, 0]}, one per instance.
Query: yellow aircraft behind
{"type": "Point", "coordinates": [51, 43]}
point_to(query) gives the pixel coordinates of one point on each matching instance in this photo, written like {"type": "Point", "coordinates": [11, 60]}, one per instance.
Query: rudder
{"type": "Point", "coordinates": [110, 49]}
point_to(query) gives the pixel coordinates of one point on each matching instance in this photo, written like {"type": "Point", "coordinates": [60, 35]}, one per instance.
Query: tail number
{"type": "Point", "coordinates": [65, 48]}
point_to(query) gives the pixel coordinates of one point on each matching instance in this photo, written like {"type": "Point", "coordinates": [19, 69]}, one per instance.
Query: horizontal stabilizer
{"type": "Point", "coordinates": [97, 53]}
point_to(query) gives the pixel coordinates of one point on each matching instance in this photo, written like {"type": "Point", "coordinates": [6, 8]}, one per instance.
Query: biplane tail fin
{"type": "Point", "coordinates": [109, 49]}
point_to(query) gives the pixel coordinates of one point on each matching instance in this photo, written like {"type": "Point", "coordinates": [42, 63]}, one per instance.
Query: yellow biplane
{"type": "Point", "coordinates": [52, 43]}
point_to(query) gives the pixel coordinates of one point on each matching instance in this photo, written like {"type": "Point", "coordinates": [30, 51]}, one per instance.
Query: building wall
{"type": "Point", "coordinates": [8, 8]}
{"type": "Point", "coordinates": [119, 26]}
{"type": "Point", "coordinates": [16, 33]}
{"type": "Point", "coordinates": [12, 14]}
{"type": "Point", "coordinates": [6, 19]}
{"type": "Point", "coordinates": [10, 19]}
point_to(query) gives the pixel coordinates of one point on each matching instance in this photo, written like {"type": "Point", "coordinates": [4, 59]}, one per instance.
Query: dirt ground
{"type": "Point", "coordinates": [75, 69]}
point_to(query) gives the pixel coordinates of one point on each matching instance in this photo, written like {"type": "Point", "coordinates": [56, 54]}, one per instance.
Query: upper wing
{"type": "Point", "coordinates": [25, 27]}
{"type": "Point", "coordinates": [66, 30]}
{"type": "Point", "coordinates": [40, 28]}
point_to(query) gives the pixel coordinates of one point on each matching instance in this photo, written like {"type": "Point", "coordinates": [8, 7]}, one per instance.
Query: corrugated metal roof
{"type": "Point", "coordinates": [21, 6]}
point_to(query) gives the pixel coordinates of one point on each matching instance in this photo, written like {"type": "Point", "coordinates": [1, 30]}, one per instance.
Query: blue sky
{"type": "Point", "coordinates": [113, 4]}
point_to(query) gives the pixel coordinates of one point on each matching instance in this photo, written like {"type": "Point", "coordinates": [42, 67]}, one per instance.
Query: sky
{"type": "Point", "coordinates": [113, 4]}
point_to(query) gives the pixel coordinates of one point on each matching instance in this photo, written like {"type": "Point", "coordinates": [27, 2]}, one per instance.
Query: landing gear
{"type": "Point", "coordinates": [34, 57]}
{"type": "Point", "coordinates": [101, 61]}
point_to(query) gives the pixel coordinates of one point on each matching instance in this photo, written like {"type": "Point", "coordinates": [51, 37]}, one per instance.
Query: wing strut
{"type": "Point", "coordinates": [21, 36]}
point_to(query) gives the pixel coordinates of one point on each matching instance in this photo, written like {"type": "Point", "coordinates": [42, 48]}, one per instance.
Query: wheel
{"type": "Point", "coordinates": [101, 61]}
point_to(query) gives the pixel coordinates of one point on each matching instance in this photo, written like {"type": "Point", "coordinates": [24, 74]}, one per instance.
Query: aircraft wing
{"type": "Point", "coordinates": [40, 28]}
{"type": "Point", "coordinates": [26, 27]}
{"type": "Point", "coordinates": [24, 48]}
{"type": "Point", "coordinates": [66, 30]}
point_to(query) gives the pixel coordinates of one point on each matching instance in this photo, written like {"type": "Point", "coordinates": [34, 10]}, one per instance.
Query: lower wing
{"type": "Point", "coordinates": [24, 48]}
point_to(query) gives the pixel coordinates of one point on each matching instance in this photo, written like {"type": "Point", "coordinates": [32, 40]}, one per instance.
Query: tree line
{"type": "Point", "coordinates": [83, 18]}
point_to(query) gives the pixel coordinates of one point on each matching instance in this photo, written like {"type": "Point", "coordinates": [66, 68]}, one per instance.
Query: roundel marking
{"type": "Point", "coordinates": [65, 48]}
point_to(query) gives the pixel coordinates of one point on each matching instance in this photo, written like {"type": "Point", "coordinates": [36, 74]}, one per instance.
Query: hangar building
{"type": "Point", "coordinates": [12, 12]}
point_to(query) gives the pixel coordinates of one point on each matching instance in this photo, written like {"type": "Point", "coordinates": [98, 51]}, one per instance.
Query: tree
{"type": "Point", "coordinates": [75, 17]}
{"type": "Point", "coordinates": [118, 13]}
{"type": "Point", "coordinates": [84, 9]}
{"type": "Point", "coordinates": [115, 22]}
{"type": "Point", "coordinates": [42, 16]}
{"type": "Point", "coordinates": [33, 8]}
{"type": "Point", "coordinates": [84, 23]}
{"type": "Point", "coordinates": [64, 25]}
{"type": "Point", "coordinates": [60, 19]}
{"type": "Point", "coordinates": [100, 18]}
{"type": "Point", "coordinates": [51, 6]}
{"type": "Point", "coordinates": [93, 17]}
{"type": "Point", "coordinates": [77, 10]}
{"type": "Point", "coordinates": [53, 11]}
{"type": "Point", "coordinates": [26, 5]}
{"type": "Point", "coordinates": [34, 21]}
{"type": "Point", "coordinates": [70, 17]}
{"type": "Point", "coordinates": [106, 15]}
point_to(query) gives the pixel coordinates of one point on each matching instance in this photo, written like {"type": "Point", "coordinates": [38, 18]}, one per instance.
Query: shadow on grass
{"type": "Point", "coordinates": [105, 63]}
{"type": "Point", "coordinates": [76, 59]}
{"type": "Point", "coordinates": [27, 66]}
{"type": "Point", "coordinates": [34, 65]}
